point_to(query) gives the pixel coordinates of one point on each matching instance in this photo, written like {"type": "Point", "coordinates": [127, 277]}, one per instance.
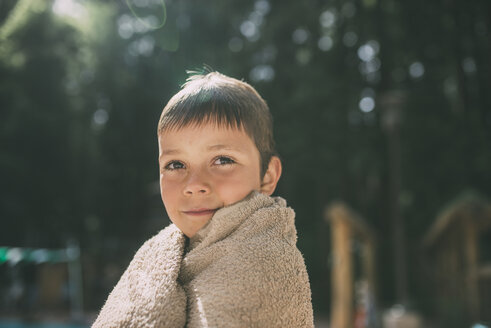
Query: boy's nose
{"type": "Point", "coordinates": [196, 184]}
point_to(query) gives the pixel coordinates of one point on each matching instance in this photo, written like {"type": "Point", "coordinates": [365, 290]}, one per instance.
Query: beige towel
{"type": "Point", "coordinates": [241, 270]}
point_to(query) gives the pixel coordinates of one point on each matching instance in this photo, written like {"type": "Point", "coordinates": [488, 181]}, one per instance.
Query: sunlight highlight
{"type": "Point", "coordinates": [70, 8]}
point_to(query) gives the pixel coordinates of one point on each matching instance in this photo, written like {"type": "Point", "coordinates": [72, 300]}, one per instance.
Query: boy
{"type": "Point", "coordinates": [229, 259]}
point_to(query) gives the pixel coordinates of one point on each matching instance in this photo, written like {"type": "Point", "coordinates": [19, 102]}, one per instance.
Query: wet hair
{"type": "Point", "coordinates": [224, 101]}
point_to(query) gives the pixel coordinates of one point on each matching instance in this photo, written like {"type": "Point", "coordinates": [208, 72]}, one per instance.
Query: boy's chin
{"type": "Point", "coordinates": [190, 232]}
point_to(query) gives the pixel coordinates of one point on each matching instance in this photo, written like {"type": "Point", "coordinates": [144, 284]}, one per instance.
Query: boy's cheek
{"type": "Point", "coordinates": [234, 195]}
{"type": "Point", "coordinates": [168, 199]}
{"type": "Point", "coordinates": [167, 185]}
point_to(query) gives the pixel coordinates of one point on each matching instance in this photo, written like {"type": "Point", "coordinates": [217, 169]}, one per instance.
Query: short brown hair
{"type": "Point", "coordinates": [216, 98]}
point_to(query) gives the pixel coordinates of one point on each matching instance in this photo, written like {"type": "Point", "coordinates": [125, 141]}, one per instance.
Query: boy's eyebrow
{"type": "Point", "coordinates": [224, 147]}
{"type": "Point", "coordinates": [169, 152]}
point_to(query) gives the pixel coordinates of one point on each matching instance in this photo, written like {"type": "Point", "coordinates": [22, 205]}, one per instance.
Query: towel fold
{"type": "Point", "coordinates": [242, 269]}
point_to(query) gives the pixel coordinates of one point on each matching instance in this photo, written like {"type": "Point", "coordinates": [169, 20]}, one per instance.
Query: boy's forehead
{"type": "Point", "coordinates": [217, 136]}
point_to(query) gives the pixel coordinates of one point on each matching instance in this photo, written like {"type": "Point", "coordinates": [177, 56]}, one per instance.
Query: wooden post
{"type": "Point", "coordinates": [342, 276]}
{"type": "Point", "coordinates": [471, 258]}
{"type": "Point", "coordinates": [347, 226]}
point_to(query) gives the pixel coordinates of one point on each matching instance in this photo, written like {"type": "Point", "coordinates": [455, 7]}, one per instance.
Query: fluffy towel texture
{"type": "Point", "coordinates": [241, 270]}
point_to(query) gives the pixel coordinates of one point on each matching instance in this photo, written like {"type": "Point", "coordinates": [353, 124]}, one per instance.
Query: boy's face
{"type": "Point", "coordinates": [204, 168]}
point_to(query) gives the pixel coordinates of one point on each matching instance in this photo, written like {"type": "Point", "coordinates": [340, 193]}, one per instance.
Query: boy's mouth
{"type": "Point", "coordinates": [200, 211]}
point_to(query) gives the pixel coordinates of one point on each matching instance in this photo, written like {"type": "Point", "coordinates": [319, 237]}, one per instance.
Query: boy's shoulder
{"type": "Point", "coordinates": [255, 269]}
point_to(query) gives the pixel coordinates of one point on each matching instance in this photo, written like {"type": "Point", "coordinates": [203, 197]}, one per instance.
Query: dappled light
{"type": "Point", "coordinates": [262, 73]}
{"type": "Point", "coordinates": [327, 19]}
{"type": "Point", "coordinates": [416, 70]}
{"type": "Point", "coordinates": [325, 43]}
{"type": "Point", "coordinates": [71, 8]}
{"type": "Point", "coordinates": [367, 104]}
{"type": "Point", "coordinates": [300, 35]}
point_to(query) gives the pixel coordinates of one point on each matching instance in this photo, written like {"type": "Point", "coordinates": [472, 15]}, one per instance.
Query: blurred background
{"type": "Point", "coordinates": [382, 114]}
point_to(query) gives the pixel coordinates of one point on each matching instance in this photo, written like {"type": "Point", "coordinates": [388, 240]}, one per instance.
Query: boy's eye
{"type": "Point", "coordinates": [174, 165]}
{"type": "Point", "coordinates": [223, 160]}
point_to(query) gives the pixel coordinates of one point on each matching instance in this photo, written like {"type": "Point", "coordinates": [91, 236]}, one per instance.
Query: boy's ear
{"type": "Point", "coordinates": [271, 177]}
